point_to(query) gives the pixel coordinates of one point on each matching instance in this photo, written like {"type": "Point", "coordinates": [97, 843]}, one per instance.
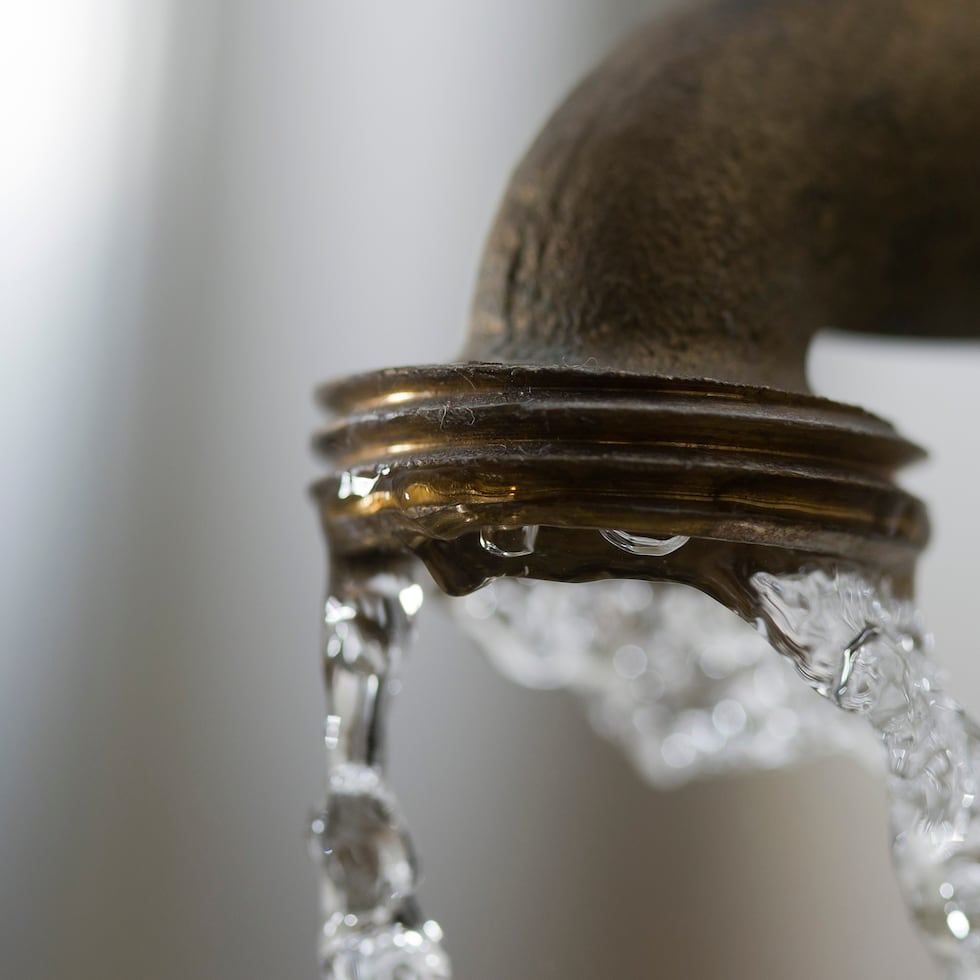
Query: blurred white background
{"type": "Point", "coordinates": [205, 209]}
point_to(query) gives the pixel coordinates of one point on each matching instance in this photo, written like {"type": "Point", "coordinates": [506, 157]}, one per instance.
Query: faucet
{"type": "Point", "coordinates": [632, 403]}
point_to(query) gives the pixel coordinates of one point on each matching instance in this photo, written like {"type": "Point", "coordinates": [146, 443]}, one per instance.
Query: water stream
{"type": "Point", "coordinates": [372, 926]}
{"type": "Point", "coordinates": [866, 652]}
{"type": "Point", "coordinates": [688, 691]}
{"type": "Point", "coordinates": [684, 687]}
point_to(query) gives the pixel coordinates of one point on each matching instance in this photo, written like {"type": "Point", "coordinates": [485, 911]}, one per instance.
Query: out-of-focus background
{"type": "Point", "coordinates": [205, 209]}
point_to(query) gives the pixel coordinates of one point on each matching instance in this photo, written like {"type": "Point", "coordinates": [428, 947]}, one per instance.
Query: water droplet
{"type": "Point", "coordinates": [411, 598]}
{"type": "Point", "coordinates": [630, 661]}
{"type": "Point", "coordinates": [638, 544]}
{"type": "Point", "coordinates": [331, 730]}
{"type": "Point", "coordinates": [356, 485]}
{"type": "Point", "coordinates": [728, 716]}
{"type": "Point", "coordinates": [678, 751]}
{"type": "Point", "coordinates": [336, 611]}
{"type": "Point", "coordinates": [509, 542]}
{"type": "Point", "coordinates": [848, 661]}
{"type": "Point", "coordinates": [958, 923]}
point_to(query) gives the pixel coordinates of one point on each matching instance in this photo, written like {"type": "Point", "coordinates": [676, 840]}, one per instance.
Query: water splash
{"type": "Point", "coordinates": [373, 929]}
{"type": "Point", "coordinates": [686, 688]}
{"type": "Point", "coordinates": [670, 675]}
{"type": "Point", "coordinates": [866, 651]}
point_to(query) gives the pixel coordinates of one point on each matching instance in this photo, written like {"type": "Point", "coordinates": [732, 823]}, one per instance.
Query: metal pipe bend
{"type": "Point", "coordinates": [738, 176]}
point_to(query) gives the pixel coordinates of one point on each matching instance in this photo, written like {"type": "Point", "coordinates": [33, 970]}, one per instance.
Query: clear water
{"type": "Point", "coordinates": [688, 691]}
{"type": "Point", "coordinates": [865, 651]}
{"type": "Point", "coordinates": [682, 685]}
{"type": "Point", "coordinates": [372, 926]}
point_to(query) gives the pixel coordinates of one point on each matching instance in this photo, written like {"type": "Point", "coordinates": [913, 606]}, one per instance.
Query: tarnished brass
{"type": "Point", "coordinates": [427, 457]}
{"type": "Point", "coordinates": [728, 182]}
{"type": "Point", "coordinates": [738, 176]}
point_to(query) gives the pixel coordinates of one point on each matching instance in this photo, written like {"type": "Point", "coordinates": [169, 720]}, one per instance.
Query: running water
{"type": "Point", "coordinates": [683, 686]}
{"type": "Point", "coordinates": [864, 650]}
{"type": "Point", "coordinates": [689, 691]}
{"type": "Point", "coordinates": [373, 929]}
{"type": "Point", "coordinates": [668, 673]}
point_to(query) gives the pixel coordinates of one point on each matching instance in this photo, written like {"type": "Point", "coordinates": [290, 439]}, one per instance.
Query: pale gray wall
{"type": "Point", "coordinates": [273, 194]}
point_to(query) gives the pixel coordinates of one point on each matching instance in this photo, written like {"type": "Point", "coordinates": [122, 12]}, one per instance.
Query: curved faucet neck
{"type": "Point", "coordinates": [734, 179]}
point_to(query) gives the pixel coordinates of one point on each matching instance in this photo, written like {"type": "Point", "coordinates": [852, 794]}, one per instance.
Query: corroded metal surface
{"type": "Point", "coordinates": [728, 182]}
{"type": "Point", "coordinates": [738, 176]}
{"type": "Point", "coordinates": [426, 458]}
